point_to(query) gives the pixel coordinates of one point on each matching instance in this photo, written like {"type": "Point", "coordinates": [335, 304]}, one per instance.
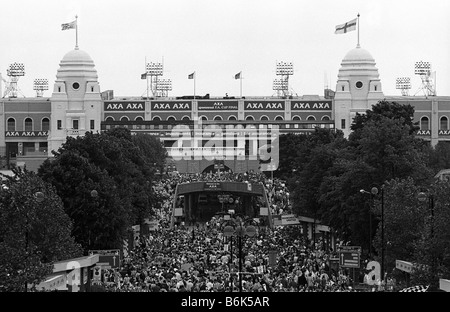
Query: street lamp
{"type": "Point", "coordinates": [422, 196]}
{"type": "Point", "coordinates": [374, 191]}
{"type": "Point", "coordinates": [238, 228]}
{"type": "Point", "coordinates": [370, 222]}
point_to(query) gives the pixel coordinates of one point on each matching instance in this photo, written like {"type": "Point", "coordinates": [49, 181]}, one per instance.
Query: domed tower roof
{"type": "Point", "coordinates": [77, 63]}
{"type": "Point", "coordinates": [360, 62]}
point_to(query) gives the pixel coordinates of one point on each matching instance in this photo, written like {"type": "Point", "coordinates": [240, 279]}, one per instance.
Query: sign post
{"type": "Point", "coordinates": [349, 257]}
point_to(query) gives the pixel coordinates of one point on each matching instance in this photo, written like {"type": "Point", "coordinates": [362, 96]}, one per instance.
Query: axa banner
{"type": "Point", "coordinates": [263, 105]}
{"type": "Point", "coordinates": [310, 105]}
{"type": "Point", "coordinates": [112, 106]}
{"type": "Point", "coordinates": [171, 105]}
{"type": "Point", "coordinates": [26, 133]}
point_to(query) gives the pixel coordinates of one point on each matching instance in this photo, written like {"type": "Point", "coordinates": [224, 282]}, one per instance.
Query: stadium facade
{"type": "Point", "coordinates": [33, 127]}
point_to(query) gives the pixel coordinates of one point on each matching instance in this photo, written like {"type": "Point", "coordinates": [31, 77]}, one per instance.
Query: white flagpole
{"type": "Point", "coordinates": [240, 78]}
{"type": "Point", "coordinates": [358, 31]}
{"type": "Point", "coordinates": [146, 76]}
{"type": "Point", "coordinates": [76, 32]}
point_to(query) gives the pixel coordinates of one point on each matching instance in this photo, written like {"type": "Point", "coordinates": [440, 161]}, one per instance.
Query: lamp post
{"type": "Point", "coordinates": [374, 191]}
{"type": "Point", "coordinates": [370, 223]}
{"type": "Point", "coordinates": [422, 196]}
{"type": "Point", "coordinates": [238, 228]}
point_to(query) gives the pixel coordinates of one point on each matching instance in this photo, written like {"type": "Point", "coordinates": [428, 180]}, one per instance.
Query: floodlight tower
{"type": "Point", "coordinates": [14, 71]}
{"type": "Point", "coordinates": [423, 69]}
{"type": "Point", "coordinates": [164, 86]}
{"type": "Point", "coordinates": [284, 69]}
{"type": "Point", "coordinates": [40, 85]}
{"type": "Point", "coordinates": [404, 84]}
{"type": "Point", "coordinates": [278, 85]}
{"type": "Point", "coordinates": [153, 71]}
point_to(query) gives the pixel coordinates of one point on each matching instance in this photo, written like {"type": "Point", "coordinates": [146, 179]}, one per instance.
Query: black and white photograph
{"type": "Point", "coordinates": [235, 154]}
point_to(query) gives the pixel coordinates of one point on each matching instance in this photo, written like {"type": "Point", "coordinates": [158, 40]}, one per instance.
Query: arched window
{"type": "Point", "coordinates": [424, 123]}
{"type": "Point", "coordinates": [11, 124]}
{"type": "Point", "coordinates": [28, 124]}
{"type": "Point", "coordinates": [444, 123]}
{"type": "Point", "coordinates": [232, 117]}
{"type": "Point", "coordinates": [264, 117]}
{"type": "Point", "coordinates": [325, 118]}
{"type": "Point", "coordinates": [171, 118]}
{"type": "Point", "coordinates": [278, 118]}
{"type": "Point", "coordinates": [124, 118]}
{"type": "Point", "coordinates": [311, 118]}
{"type": "Point", "coordinates": [139, 118]}
{"type": "Point", "coordinates": [109, 118]}
{"type": "Point", "coordinates": [218, 117]}
{"type": "Point", "coordinates": [296, 118]}
{"type": "Point", "coordinates": [157, 118]}
{"type": "Point", "coordinates": [45, 126]}
{"type": "Point", "coordinates": [204, 118]}
{"type": "Point", "coordinates": [250, 117]}
{"type": "Point", "coordinates": [186, 118]}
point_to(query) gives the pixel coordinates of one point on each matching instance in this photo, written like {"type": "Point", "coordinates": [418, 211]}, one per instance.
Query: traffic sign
{"type": "Point", "coordinates": [349, 258]}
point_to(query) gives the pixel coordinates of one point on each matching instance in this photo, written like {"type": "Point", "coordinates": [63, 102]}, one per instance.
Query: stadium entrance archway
{"type": "Point", "coordinates": [198, 202]}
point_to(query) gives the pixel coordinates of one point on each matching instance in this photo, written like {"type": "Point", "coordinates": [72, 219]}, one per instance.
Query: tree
{"type": "Point", "coordinates": [403, 221]}
{"type": "Point", "coordinates": [391, 110]}
{"type": "Point", "coordinates": [291, 147]}
{"type": "Point", "coordinates": [315, 154]}
{"type": "Point", "coordinates": [117, 166]}
{"type": "Point", "coordinates": [432, 249]}
{"type": "Point", "coordinates": [34, 231]}
{"type": "Point", "coordinates": [439, 157]}
{"type": "Point", "coordinates": [100, 221]}
{"type": "Point", "coordinates": [381, 147]}
{"type": "Point", "coordinates": [152, 148]}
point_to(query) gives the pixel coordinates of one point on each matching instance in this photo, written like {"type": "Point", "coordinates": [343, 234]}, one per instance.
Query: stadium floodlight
{"type": "Point", "coordinates": [403, 84]}
{"type": "Point", "coordinates": [285, 68]}
{"type": "Point", "coordinates": [164, 84]}
{"type": "Point", "coordinates": [16, 70]}
{"type": "Point", "coordinates": [422, 68]}
{"type": "Point", "coordinates": [278, 85]}
{"type": "Point", "coordinates": [40, 85]}
{"type": "Point", "coordinates": [154, 69]}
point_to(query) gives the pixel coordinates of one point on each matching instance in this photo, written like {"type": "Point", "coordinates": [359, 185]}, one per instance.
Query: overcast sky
{"type": "Point", "coordinates": [218, 39]}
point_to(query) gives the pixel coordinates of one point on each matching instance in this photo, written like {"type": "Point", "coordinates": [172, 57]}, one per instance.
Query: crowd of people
{"type": "Point", "coordinates": [200, 258]}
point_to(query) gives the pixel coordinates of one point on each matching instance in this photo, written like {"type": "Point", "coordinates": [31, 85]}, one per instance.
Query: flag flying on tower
{"type": "Point", "coordinates": [69, 25]}
{"type": "Point", "coordinates": [237, 76]}
{"type": "Point", "coordinates": [191, 76]}
{"type": "Point", "coordinates": [344, 28]}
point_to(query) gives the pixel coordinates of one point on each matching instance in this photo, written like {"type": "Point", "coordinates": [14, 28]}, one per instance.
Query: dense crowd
{"type": "Point", "coordinates": [200, 258]}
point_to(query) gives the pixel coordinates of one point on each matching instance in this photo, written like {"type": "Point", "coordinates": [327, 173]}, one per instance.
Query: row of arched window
{"type": "Point", "coordinates": [425, 123]}
{"type": "Point", "coordinates": [28, 124]}
{"type": "Point", "coordinates": [218, 118]}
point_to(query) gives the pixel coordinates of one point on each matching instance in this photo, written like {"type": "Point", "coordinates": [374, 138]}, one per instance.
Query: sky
{"type": "Point", "coordinates": [218, 39]}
